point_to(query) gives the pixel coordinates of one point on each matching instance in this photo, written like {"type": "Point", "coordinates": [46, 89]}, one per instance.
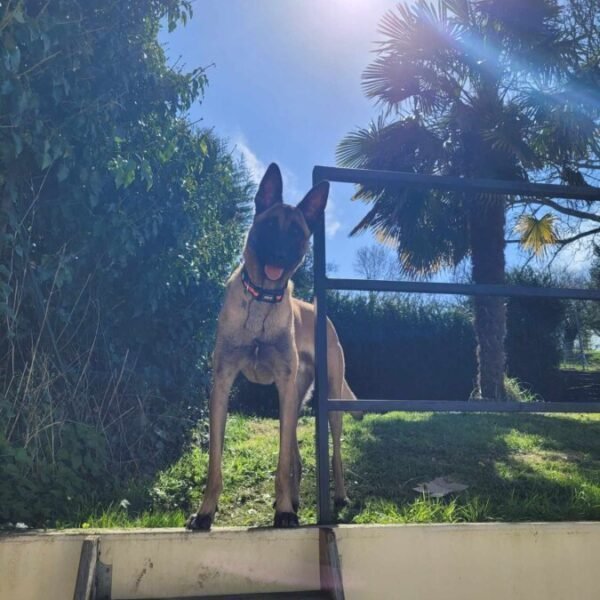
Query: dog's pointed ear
{"type": "Point", "coordinates": [313, 204]}
{"type": "Point", "coordinates": [270, 190]}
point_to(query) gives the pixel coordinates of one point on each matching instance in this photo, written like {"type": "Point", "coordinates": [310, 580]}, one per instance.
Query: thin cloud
{"type": "Point", "coordinates": [332, 222]}
{"type": "Point", "coordinates": [256, 168]}
{"type": "Point", "coordinates": [291, 189]}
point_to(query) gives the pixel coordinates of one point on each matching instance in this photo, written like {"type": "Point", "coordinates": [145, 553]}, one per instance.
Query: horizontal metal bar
{"type": "Point", "coordinates": [462, 289]}
{"type": "Point", "coordinates": [472, 406]}
{"type": "Point", "coordinates": [457, 184]}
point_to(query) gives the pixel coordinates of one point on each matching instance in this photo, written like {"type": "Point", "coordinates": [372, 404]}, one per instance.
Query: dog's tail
{"type": "Point", "coordinates": [348, 394]}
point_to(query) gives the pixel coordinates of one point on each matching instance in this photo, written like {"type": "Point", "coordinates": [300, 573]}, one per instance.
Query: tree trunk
{"type": "Point", "coordinates": [487, 220]}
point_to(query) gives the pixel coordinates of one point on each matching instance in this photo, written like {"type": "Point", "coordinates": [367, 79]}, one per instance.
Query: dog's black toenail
{"type": "Point", "coordinates": [285, 520]}
{"type": "Point", "coordinates": [199, 522]}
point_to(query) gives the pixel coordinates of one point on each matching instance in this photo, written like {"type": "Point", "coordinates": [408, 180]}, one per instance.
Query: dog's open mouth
{"type": "Point", "coordinates": [273, 272]}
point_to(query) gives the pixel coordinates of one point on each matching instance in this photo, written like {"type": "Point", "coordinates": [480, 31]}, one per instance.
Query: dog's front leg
{"type": "Point", "coordinates": [285, 515]}
{"type": "Point", "coordinates": [224, 375]}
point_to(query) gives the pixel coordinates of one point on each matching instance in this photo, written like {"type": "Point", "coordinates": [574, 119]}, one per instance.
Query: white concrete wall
{"type": "Point", "coordinates": [547, 561]}
{"type": "Point", "coordinates": [38, 566]}
{"type": "Point", "coordinates": [155, 564]}
{"type": "Point", "coordinates": [158, 563]}
{"type": "Point", "coordinates": [495, 561]}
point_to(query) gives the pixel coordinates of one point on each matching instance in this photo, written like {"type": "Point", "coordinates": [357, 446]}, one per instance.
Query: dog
{"type": "Point", "coordinates": [268, 335]}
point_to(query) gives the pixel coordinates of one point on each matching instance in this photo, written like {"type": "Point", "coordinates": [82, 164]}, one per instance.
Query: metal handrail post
{"type": "Point", "coordinates": [321, 377]}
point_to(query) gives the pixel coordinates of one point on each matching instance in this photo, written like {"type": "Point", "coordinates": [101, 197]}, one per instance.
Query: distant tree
{"type": "Point", "coordinates": [376, 262]}
{"type": "Point", "coordinates": [492, 89]}
{"type": "Point", "coordinates": [585, 316]}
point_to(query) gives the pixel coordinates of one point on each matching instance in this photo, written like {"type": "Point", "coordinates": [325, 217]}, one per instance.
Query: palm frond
{"type": "Point", "coordinates": [418, 58]}
{"type": "Point", "coordinates": [537, 234]}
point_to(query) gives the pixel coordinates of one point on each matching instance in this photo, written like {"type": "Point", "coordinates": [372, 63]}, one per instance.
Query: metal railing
{"type": "Point", "coordinates": [323, 283]}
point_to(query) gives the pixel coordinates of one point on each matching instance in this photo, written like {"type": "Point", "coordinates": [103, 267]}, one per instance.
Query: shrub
{"type": "Point", "coordinates": [402, 348]}
{"type": "Point", "coordinates": [533, 340]}
{"type": "Point", "coordinates": [119, 223]}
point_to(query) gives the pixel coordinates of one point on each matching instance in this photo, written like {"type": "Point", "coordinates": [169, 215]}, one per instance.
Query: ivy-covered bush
{"type": "Point", "coordinates": [119, 223]}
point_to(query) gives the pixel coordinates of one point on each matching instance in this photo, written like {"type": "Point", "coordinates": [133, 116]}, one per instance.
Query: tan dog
{"type": "Point", "coordinates": [268, 335]}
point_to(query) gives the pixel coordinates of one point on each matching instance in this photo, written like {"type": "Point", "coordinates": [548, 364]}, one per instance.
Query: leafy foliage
{"type": "Point", "coordinates": [118, 225]}
{"type": "Point", "coordinates": [466, 89]}
{"type": "Point", "coordinates": [536, 234]}
{"type": "Point", "coordinates": [36, 489]}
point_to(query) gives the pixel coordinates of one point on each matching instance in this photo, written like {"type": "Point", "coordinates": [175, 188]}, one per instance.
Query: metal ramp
{"type": "Point", "coordinates": [94, 579]}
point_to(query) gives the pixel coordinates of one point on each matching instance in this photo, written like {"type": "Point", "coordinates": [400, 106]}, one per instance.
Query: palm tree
{"type": "Point", "coordinates": [469, 88]}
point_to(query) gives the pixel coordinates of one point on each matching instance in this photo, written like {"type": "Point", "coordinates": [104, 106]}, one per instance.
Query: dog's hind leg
{"type": "Point", "coordinates": [224, 375]}
{"type": "Point", "coordinates": [339, 391]}
{"type": "Point", "coordinates": [336, 379]}
{"type": "Point", "coordinates": [285, 381]}
{"type": "Point", "coordinates": [304, 383]}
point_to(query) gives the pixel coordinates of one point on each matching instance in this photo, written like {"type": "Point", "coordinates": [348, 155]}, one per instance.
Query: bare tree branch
{"type": "Point", "coordinates": [565, 241]}
{"type": "Point", "coordinates": [566, 210]}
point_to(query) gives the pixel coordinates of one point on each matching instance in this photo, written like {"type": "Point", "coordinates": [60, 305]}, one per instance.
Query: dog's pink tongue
{"type": "Point", "coordinates": [273, 272]}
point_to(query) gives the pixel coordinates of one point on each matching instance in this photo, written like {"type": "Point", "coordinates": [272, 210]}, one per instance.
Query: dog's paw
{"type": "Point", "coordinates": [199, 522]}
{"type": "Point", "coordinates": [340, 503]}
{"type": "Point", "coordinates": [286, 520]}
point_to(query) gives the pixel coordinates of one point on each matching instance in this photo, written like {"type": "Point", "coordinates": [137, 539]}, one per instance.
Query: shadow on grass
{"type": "Point", "coordinates": [517, 467]}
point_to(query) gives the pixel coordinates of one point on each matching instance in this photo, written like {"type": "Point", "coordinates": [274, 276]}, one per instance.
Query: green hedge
{"type": "Point", "coordinates": [413, 349]}
{"type": "Point", "coordinates": [405, 349]}
{"type": "Point", "coordinates": [395, 349]}
{"type": "Point", "coordinates": [533, 338]}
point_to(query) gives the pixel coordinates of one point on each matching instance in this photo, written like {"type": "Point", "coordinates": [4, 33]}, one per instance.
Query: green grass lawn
{"type": "Point", "coordinates": [517, 467]}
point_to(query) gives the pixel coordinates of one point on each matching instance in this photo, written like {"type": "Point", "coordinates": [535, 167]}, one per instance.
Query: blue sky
{"type": "Point", "coordinates": [284, 86]}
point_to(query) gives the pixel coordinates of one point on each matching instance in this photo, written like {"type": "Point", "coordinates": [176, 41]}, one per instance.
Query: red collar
{"type": "Point", "coordinates": [262, 294]}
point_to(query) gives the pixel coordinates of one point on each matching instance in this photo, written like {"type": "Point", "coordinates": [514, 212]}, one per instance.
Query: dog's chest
{"type": "Point", "coordinates": [259, 366]}
{"type": "Point", "coordinates": [263, 335]}
{"type": "Point", "coordinates": [260, 319]}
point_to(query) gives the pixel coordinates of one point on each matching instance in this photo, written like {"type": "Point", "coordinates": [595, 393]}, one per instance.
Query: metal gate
{"type": "Point", "coordinates": [324, 283]}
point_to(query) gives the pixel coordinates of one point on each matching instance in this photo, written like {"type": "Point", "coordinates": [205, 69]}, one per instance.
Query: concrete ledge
{"type": "Point", "coordinates": [159, 563]}
{"type": "Point", "coordinates": [495, 561]}
{"type": "Point", "coordinates": [503, 561]}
